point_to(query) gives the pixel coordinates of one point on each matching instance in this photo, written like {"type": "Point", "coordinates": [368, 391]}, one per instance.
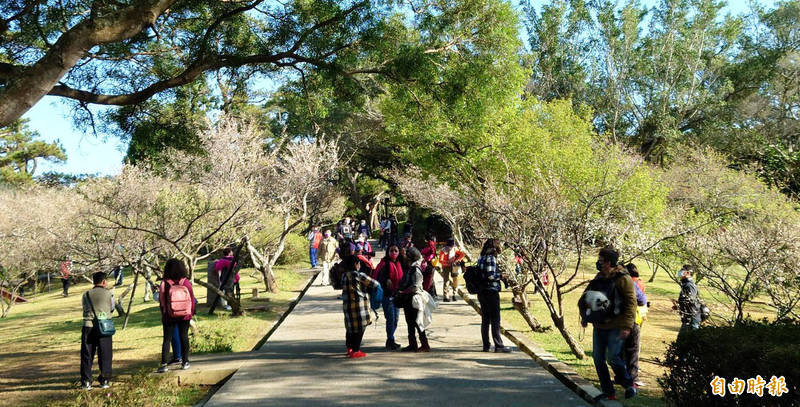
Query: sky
{"type": "Point", "coordinates": [103, 154]}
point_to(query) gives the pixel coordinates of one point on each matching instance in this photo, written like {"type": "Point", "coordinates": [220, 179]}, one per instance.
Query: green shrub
{"type": "Point", "coordinates": [744, 351]}
{"type": "Point", "coordinates": [294, 251]}
{"type": "Point", "coordinates": [212, 340]}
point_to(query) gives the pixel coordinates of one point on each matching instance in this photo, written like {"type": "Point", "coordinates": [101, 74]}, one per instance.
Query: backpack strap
{"type": "Point", "coordinates": [89, 298]}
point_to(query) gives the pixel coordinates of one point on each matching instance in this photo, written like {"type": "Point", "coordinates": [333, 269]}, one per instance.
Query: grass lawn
{"type": "Point", "coordinates": [660, 328]}
{"type": "Point", "coordinates": [41, 339]}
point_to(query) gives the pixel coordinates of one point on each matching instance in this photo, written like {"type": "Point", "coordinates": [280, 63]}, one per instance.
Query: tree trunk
{"type": "Point", "coordinates": [236, 307]}
{"type": "Point", "coordinates": [574, 346]}
{"type": "Point", "coordinates": [130, 302]}
{"type": "Point", "coordinates": [269, 279]}
{"type": "Point", "coordinates": [520, 302]}
{"type": "Point", "coordinates": [653, 276]}
{"type": "Point", "coordinates": [558, 321]}
{"type": "Point", "coordinates": [33, 82]}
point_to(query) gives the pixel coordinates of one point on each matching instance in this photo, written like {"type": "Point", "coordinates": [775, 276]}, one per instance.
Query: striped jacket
{"type": "Point", "coordinates": [492, 272]}
{"type": "Point", "coordinates": [357, 287]}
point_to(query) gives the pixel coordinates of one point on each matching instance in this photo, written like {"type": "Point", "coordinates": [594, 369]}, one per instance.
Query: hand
{"type": "Point", "coordinates": [623, 334]}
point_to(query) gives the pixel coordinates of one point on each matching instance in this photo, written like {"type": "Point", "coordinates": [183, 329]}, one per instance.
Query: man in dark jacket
{"type": "Point", "coordinates": [91, 341]}
{"type": "Point", "coordinates": [688, 301]}
{"type": "Point", "coordinates": [609, 337]}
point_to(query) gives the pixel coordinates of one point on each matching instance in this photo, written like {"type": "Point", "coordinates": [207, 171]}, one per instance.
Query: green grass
{"type": "Point", "coordinates": [41, 358]}
{"type": "Point", "coordinates": [658, 331]}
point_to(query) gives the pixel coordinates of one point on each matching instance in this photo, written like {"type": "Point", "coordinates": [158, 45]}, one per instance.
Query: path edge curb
{"type": "Point", "coordinates": [565, 374]}
{"type": "Point", "coordinates": [292, 304]}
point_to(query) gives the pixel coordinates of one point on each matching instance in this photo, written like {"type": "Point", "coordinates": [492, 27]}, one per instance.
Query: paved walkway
{"type": "Point", "coordinates": [304, 364]}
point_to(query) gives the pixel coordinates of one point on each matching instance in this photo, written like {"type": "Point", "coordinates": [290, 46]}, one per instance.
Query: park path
{"type": "Point", "coordinates": [303, 364]}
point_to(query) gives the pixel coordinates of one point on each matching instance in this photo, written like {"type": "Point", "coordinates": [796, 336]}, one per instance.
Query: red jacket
{"type": "Point", "coordinates": [316, 240]}
{"type": "Point", "coordinates": [395, 274]}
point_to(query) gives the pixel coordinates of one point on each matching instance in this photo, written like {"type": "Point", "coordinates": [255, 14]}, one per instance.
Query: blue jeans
{"type": "Point", "coordinates": [312, 253]}
{"type": "Point", "coordinates": [176, 343]}
{"type": "Point", "coordinates": [607, 347]}
{"type": "Point", "coordinates": [391, 314]}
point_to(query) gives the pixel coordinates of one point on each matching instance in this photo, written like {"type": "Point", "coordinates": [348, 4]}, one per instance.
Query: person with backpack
{"type": "Point", "coordinates": [410, 286]}
{"type": "Point", "coordinates": [356, 289]}
{"type": "Point", "coordinates": [688, 305]}
{"type": "Point", "coordinates": [98, 303]}
{"type": "Point", "coordinates": [450, 259]}
{"type": "Point", "coordinates": [389, 273]}
{"type": "Point", "coordinates": [633, 341]}
{"type": "Point", "coordinates": [345, 229]}
{"type": "Point", "coordinates": [491, 272]}
{"type": "Point", "coordinates": [609, 304]}
{"type": "Point", "coordinates": [328, 255]}
{"type": "Point", "coordinates": [177, 303]}
{"type": "Point", "coordinates": [314, 240]}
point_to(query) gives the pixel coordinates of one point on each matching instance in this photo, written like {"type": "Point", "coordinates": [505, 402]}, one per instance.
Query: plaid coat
{"type": "Point", "coordinates": [356, 289]}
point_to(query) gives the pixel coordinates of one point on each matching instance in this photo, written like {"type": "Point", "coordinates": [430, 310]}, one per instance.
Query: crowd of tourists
{"type": "Point", "coordinates": [614, 301]}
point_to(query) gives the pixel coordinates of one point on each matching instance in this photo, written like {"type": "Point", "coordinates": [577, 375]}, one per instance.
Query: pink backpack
{"type": "Point", "coordinates": [179, 303]}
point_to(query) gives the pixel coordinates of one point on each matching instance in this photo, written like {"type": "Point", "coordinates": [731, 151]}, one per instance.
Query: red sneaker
{"type": "Point", "coordinates": [349, 353]}
{"type": "Point", "coordinates": [612, 397]}
{"type": "Point", "coordinates": [358, 354]}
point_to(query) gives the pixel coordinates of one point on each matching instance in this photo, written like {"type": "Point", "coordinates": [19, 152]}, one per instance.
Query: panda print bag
{"type": "Point", "coordinates": [602, 300]}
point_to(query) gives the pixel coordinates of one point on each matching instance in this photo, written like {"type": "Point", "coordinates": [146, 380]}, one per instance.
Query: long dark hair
{"type": "Point", "coordinates": [349, 262]}
{"type": "Point", "coordinates": [491, 247]}
{"type": "Point", "coordinates": [175, 270]}
{"type": "Point", "coordinates": [400, 256]}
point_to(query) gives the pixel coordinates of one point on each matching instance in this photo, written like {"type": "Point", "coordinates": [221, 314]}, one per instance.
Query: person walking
{"type": "Point", "coordinates": [328, 255]}
{"type": "Point", "coordinates": [177, 303]}
{"type": "Point", "coordinates": [389, 273]}
{"type": "Point", "coordinates": [451, 260]}
{"type": "Point", "coordinates": [612, 323]}
{"type": "Point", "coordinates": [97, 303]}
{"type": "Point", "coordinates": [411, 286]}
{"type": "Point", "coordinates": [118, 274]}
{"type": "Point", "coordinates": [394, 236]}
{"type": "Point", "coordinates": [688, 305]}
{"type": "Point", "coordinates": [314, 240]}
{"type": "Point", "coordinates": [356, 289]}
{"type": "Point", "coordinates": [345, 229]}
{"type": "Point", "coordinates": [428, 254]}
{"type": "Point", "coordinates": [631, 348]}
{"type": "Point", "coordinates": [65, 272]}
{"type": "Point", "coordinates": [363, 228]}
{"type": "Point", "coordinates": [492, 270]}
{"type": "Point", "coordinates": [363, 245]}
{"type": "Point", "coordinates": [384, 233]}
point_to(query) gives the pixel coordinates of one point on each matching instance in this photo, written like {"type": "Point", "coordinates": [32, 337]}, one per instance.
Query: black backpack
{"type": "Point", "coordinates": [602, 300]}
{"type": "Point", "coordinates": [473, 279]}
